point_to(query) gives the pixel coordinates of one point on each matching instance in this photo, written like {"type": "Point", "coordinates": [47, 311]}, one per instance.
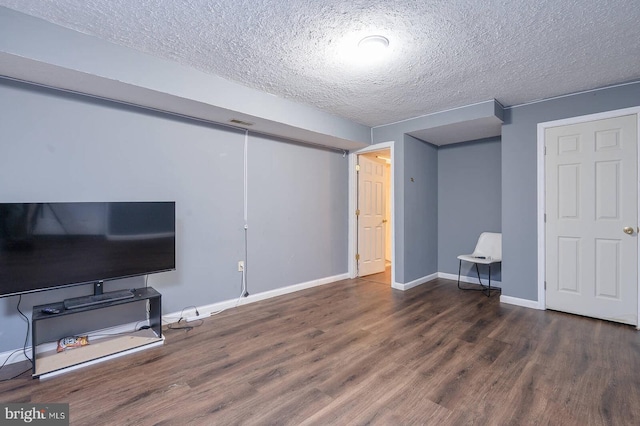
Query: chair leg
{"type": "Point", "coordinates": [486, 290]}
{"type": "Point", "coordinates": [482, 287]}
{"type": "Point", "coordinates": [478, 272]}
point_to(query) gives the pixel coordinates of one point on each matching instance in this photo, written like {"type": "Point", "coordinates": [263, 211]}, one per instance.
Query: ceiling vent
{"type": "Point", "coordinates": [240, 122]}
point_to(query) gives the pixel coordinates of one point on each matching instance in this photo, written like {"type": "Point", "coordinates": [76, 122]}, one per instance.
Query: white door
{"type": "Point", "coordinates": [371, 222]}
{"type": "Point", "coordinates": [591, 190]}
{"type": "Point", "coordinates": [387, 212]}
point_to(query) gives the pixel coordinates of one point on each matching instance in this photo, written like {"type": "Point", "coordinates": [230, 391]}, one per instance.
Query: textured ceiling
{"type": "Point", "coordinates": [443, 53]}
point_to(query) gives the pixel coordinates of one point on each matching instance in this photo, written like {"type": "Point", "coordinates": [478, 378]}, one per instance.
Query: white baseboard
{"type": "Point", "coordinates": [214, 308]}
{"type": "Point", "coordinates": [533, 304]}
{"type": "Point", "coordinates": [498, 284]}
{"type": "Point", "coordinates": [444, 275]}
{"type": "Point", "coordinates": [454, 277]}
{"type": "Point", "coordinates": [470, 280]}
{"type": "Point", "coordinates": [414, 283]}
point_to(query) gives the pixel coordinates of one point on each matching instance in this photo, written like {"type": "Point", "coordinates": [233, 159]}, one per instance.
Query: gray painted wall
{"type": "Point", "coordinates": [469, 200]}
{"type": "Point", "coordinates": [419, 216]}
{"type": "Point", "coordinates": [298, 203]}
{"type": "Point", "coordinates": [419, 187]}
{"type": "Point", "coordinates": [398, 218]}
{"type": "Point", "coordinates": [60, 147]}
{"type": "Point", "coordinates": [519, 191]}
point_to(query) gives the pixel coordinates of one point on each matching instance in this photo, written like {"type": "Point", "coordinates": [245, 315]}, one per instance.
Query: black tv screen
{"type": "Point", "coordinates": [48, 245]}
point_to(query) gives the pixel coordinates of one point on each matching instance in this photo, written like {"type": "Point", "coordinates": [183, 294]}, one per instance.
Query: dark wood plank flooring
{"type": "Point", "coordinates": [358, 352]}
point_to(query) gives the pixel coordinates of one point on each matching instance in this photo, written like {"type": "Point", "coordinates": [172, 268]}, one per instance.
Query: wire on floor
{"type": "Point", "coordinates": [177, 325]}
{"type": "Point", "coordinates": [5, 363]}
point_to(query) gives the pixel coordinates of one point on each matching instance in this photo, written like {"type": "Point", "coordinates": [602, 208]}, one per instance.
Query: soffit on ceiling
{"type": "Point", "coordinates": [443, 53]}
{"type": "Point", "coordinates": [469, 130]}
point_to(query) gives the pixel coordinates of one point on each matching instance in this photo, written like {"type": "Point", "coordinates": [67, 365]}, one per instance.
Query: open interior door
{"type": "Point", "coordinates": [371, 215]}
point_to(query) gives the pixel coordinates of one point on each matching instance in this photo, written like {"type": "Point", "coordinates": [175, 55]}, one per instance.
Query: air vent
{"type": "Point", "coordinates": [240, 122]}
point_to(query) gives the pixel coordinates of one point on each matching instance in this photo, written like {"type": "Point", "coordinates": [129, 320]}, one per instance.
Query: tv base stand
{"type": "Point", "coordinates": [48, 362]}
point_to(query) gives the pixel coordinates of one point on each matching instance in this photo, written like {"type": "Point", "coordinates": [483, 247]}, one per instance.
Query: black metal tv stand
{"type": "Point", "coordinates": [97, 299]}
{"type": "Point", "coordinates": [44, 326]}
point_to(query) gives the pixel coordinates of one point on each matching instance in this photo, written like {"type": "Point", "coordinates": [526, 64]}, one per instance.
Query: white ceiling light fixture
{"type": "Point", "coordinates": [370, 50]}
{"type": "Point", "coordinates": [374, 43]}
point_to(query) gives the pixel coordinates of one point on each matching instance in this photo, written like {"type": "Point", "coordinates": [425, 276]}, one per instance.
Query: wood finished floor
{"type": "Point", "coordinates": [357, 352]}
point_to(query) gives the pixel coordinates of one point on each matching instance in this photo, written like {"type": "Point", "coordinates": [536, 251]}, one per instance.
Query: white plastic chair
{"type": "Point", "coordinates": [488, 251]}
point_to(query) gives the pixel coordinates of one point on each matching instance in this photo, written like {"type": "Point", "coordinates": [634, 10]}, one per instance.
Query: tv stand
{"type": "Point", "coordinates": [44, 326]}
{"type": "Point", "coordinates": [97, 299]}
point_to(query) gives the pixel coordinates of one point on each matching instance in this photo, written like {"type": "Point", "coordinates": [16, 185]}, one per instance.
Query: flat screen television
{"type": "Point", "coordinates": [53, 245]}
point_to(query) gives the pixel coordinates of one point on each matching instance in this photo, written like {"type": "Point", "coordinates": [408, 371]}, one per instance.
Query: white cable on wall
{"type": "Point", "coordinates": [246, 148]}
{"type": "Point", "coordinates": [245, 292]}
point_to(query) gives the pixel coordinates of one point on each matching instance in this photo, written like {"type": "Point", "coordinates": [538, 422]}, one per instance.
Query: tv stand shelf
{"type": "Point", "coordinates": [45, 362]}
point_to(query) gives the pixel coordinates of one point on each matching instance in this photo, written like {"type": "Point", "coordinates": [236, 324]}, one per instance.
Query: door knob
{"type": "Point", "coordinates": [384, 220]}
{"type": "Point", "coordinates": [628, 230]}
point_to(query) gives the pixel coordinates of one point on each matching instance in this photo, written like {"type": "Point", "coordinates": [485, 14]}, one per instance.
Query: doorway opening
{"type": "Point", "coordinates": [372, 236]}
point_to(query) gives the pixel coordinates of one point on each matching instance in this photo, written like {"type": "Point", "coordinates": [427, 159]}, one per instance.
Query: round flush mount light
{"type": "Point", "coordinates": [374, 42]}
{"type": "Point", "coordinates": [365, 50]}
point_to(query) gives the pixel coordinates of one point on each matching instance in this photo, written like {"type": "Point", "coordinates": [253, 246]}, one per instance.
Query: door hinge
{"type": "Point", "coordinates": [545, 150]}
{"type": "Point", "coordinates": [357, 256]}
{"type": "Point", "coordinates": [545, 218]}
{"type": "Point", "coordinates": [357, 167]}
{"type": "Point", "coordinates": [545, 285]}
{"type": "Point", "coordinates": [357, 212]}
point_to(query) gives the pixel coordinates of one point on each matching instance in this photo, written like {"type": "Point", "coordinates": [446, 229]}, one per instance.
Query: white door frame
{"type": "Point", "coordinates": [542, 303]}
{"type": "Point", "coordinates": [353, 202]}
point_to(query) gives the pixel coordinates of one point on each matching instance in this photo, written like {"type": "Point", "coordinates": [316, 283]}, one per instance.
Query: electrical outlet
{"type": "Point", "coordinates": [240, 265]}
